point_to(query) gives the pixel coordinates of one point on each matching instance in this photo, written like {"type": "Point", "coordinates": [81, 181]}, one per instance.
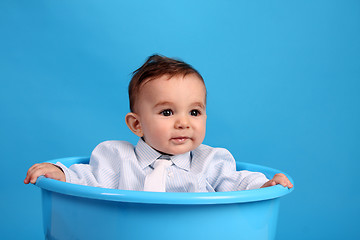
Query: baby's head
{"type": "Point", "coordinates": [168, 105]}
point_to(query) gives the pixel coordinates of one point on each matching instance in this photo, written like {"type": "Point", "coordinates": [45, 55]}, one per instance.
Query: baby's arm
{"type": "Point", "coordinates": [279, 178]}
{"type": "Point", "coordinates": [47, 169]}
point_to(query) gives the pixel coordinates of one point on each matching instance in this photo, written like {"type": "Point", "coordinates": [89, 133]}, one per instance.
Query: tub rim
{"type": "Point", "coordinates": [166, 197]}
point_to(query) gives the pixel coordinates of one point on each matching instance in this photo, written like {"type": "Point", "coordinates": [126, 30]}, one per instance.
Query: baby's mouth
{"type": "Point", "coordinates": [179, 140]}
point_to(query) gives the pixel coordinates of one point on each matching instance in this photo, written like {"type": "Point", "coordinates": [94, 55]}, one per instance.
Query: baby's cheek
{"type": "Point", "coordinates": [162, 129]}
{"type": "Point", "coordinates": [202, 130]}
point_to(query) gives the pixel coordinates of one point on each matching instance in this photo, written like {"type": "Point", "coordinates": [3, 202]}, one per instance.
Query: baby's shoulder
{"type": "Point", "coordinates": [208, 150]}
{"type": "Point", "coordinates": [114, 146]}
{"type": "Point", "coordinates": [115, 143]}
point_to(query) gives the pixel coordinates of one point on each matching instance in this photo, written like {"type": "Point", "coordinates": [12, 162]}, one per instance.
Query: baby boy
{"type": "Point", "coordinates": [168, 113]}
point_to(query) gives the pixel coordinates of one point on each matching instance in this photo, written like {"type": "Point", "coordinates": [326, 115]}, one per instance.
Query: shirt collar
{"type": "Point", "coordinates": [147, 155]}
{"type": "Point", "coordinates": [182, 161]}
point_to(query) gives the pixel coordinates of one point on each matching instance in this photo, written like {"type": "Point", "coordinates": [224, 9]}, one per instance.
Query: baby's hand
{"type": "Point", "coordinates": [47, 169]}
{"type": "Point", "coordinates": [278, 179]}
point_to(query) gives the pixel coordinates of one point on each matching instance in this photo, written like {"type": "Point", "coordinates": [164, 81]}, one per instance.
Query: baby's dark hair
{"type": "Point", "coordinates": [157, 66]}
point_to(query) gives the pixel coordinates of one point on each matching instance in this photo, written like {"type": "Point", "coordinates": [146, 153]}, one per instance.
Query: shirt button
{"type": "Point", "coordinates": [170, 174]}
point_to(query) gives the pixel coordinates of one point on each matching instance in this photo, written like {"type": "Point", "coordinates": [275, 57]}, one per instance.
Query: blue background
{"type": "Point", "coordinates": [283, 91]}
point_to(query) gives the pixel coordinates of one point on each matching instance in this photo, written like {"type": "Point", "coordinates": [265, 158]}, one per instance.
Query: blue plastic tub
{"type": "Point", "coordinates": [81, 212]}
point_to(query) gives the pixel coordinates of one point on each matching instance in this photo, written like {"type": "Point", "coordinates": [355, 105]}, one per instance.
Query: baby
{"type": "Point", "coordinates": [168, 113]}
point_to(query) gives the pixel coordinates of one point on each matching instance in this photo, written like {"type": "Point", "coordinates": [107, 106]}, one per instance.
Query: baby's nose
{"type": "Point", "coordinates": [182, 122]}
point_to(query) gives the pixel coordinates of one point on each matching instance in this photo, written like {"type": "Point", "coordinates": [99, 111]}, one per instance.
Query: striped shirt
{"type": "Point", "coordinates": [120, 165]}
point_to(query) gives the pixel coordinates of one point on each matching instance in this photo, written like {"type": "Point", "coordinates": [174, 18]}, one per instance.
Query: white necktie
{"type": "Point", "coordinates": [156, 181]}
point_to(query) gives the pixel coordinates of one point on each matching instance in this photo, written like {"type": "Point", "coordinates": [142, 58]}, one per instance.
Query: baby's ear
{"type": "Point", "coordinates": [133, 123]}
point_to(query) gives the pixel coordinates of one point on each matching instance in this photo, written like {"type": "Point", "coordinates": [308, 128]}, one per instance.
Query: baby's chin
{"type": "Point", "coordinates": [177, 150]}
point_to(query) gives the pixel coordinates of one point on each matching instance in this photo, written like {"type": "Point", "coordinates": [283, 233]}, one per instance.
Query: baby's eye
{"type": "Point", "coordinates": [166, 112]}
{"type": "Point", "coordinates": [194, 112]}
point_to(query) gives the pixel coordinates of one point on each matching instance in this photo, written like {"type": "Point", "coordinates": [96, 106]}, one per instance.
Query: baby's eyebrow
{"type": "Point", "coordinates": [163, 103]}
{"type": "Point", "coordinates": [169, 104]}
{"type": "Point", "coordinates": [198, 104]}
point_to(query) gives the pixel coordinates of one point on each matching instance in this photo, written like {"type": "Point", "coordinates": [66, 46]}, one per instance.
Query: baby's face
{"type": "Point", "coordinates": [172, 113]}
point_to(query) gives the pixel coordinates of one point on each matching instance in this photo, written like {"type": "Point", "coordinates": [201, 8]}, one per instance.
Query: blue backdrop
{"type": "Point", "coordinates": [283, 81]}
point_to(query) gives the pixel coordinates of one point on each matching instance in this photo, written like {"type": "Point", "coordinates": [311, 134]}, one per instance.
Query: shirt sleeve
{"type": "Point", "coordinates": [101, 170]}
{"type": "Point", "coordinates": [223, 175]}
